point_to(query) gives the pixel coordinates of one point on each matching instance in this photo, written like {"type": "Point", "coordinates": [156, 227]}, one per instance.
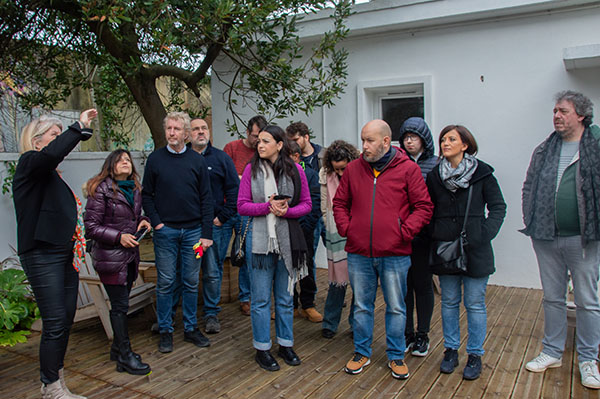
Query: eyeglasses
{"type": "Point", "coordinates": [410, 137]}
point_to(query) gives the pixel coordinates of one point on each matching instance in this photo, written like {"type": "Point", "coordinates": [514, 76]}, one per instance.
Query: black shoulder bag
{"type": "Point", "coordinates": [450, 257]}
{"type": "Point", "coordinates": [238, 253]}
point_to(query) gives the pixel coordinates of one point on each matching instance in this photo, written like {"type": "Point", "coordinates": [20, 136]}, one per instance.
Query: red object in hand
{"type": "Point", "coordinates": [198, 250]}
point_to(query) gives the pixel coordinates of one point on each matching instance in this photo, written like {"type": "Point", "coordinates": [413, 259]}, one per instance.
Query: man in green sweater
{"type": "Point", "coordinates": [561, 194]}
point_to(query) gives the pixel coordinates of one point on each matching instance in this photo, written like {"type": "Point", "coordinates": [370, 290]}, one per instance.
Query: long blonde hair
{"type": "Point", "coordinates": [36, 129]}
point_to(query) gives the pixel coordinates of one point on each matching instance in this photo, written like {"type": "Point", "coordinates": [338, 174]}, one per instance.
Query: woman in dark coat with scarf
{"type": "Point", "coordinates": [448, 185]}
{"type": "Point", "coordinates": [113, 215]}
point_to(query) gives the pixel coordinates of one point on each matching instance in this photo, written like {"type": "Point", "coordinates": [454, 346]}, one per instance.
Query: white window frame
{"type": "Point", "coordinates": [370, 93]}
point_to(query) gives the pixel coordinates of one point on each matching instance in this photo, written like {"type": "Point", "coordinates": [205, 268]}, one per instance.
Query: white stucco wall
{"type": "Point", "coordinates": [509, 111]}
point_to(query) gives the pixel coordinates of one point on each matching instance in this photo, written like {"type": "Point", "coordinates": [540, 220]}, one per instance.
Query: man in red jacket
{"type": "Point", "coordinates": [380, 205]}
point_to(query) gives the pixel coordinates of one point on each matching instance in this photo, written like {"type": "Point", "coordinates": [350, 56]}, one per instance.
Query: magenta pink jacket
{"type": "Point", "coordinates": [247, 207]}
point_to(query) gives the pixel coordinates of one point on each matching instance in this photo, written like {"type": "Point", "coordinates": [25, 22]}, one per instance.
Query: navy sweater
{"type": "Point", "coordinates": [224, 182]}
{"type": "Point", "coordinates": [176, 191]}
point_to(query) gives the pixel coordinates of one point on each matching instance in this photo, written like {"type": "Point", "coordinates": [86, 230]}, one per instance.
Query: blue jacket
{"type": "Point", "coordinates": [314, 160]}
{"type": "Point", "coordinates": [309, 222]}
{"type": "Point", "coordinates": [224, 182]}
{"type": "Point", "coordinates": [418, 126]}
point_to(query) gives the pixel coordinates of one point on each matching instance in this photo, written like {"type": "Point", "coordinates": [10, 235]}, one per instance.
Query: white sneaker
{"type": "Point", "coordinates": [590, 378]}
{"type": "Point", "coordinates": [543, 362]}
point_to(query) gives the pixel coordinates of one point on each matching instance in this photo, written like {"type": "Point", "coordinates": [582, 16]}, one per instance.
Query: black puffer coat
{"type": "Point", "coordinates": [107, 215]}
{"type": "Point", "coordinates": [449, 211]}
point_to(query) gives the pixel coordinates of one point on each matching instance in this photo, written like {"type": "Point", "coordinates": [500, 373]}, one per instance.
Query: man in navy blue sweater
{"type": "Point", "coordinates": [224, 183]}
{"type": "Point", "coordinates": [177, 198]}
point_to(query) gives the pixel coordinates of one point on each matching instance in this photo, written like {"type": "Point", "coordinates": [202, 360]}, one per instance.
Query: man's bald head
{"type": "Point", "coordinates": [376, 138]}
{"type": "Point", "coordinates": [380, 127]}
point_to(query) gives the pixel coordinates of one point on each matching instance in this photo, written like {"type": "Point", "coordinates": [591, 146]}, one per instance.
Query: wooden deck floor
{"type": "Point", "coordinates": [227, 370]}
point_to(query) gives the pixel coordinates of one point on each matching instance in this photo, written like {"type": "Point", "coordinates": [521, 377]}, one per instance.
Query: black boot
{"type": "Point", "coordinates": [114, 352]}
{"type": "Point", "coordinates": [126, 361]}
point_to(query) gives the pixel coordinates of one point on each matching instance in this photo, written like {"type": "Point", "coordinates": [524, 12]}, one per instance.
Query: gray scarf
{"type": "Point", "coordinates": [458, 178]}
{"type": "Point", "coordinates": [260, 245]}
{"type": "Point", "coordinates": [538, 203]}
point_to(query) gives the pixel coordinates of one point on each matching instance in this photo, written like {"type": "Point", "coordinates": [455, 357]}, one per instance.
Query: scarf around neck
{"type": "Point", "coordinates": [539, 212]}
{"type": "Point", "coordinates": [454, 179]}
{"type": "Point", "coordinates": [126, 187]}
{"type": "Point", "coordinates": [284, 235]}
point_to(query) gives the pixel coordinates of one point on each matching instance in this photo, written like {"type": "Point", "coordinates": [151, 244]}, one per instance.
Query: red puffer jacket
{"type": "Point", "coordinates": [380, 216]}
{"type": "Point", "coordinates": [107, 215]}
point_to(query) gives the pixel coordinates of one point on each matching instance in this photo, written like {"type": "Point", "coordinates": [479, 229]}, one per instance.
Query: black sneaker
{"type": "Point", "coordinates": [410, 342]}
{"type": "Point", "coordinates": [472, 370]}
{"type": "Point", "coordinates": [165, 345]}
{"type": "Point", "coordinates": [327, 333]}
{"type": "Point", "coordinates": [450, 361]}
{"type": "Point", "coordinates": [212, 325]}
{"type": "Point", "coordinates": [196, 337]}
{"type": "Point", "coordinates": [421, 346]}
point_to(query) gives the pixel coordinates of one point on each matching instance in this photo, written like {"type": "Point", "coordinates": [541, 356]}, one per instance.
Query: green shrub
{"type": "Point", "coordinates": [18, 309]}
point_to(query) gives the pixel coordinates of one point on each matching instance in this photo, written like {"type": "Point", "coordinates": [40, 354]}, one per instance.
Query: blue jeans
{"type": "Point", "coordinates": [212, 276]}
{"type": "Point", "coordinates": [222, 237]}
{"type": "Point", "coordinates": [364, 273]}
{"type": "Point", "coordinates": [333, 307]}
{"type": "Point", "coordinates": [170, 245]}
{"type": "Point", "coordinates": [274, 276]}
{"type": "Point", "coordinates": [244, 272]}
{"type": "Point", "coordinates": [474, 299]}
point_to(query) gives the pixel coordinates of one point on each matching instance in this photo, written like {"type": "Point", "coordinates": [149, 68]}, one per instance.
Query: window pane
{"type": "Point", "coordinates": [396, 110]}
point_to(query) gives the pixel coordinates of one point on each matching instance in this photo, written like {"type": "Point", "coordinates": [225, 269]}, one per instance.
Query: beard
{"type": "Point", "coordinates": [379, 153]}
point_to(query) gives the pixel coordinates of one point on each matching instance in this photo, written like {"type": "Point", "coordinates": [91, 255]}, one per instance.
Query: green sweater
{"type": "Point", "coordinates": [566, 210]}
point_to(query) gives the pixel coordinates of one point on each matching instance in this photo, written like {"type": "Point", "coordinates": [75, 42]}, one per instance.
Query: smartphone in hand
{"type": "Point", "coordinates": [140, 233]}
{"type": "Point", "coordinates": [282, 197]}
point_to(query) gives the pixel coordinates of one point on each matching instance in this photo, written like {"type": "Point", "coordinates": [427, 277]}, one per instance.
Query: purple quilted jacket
{"type": "Point", "coordinates": [107, 215]}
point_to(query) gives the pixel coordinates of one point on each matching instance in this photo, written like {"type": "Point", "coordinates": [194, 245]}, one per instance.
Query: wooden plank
{"type": "Point", "coordinates": [557, 382]}
{"type": "Point", "coordinates": [227, 368]}
{"type": "Point", "coordinates": [496, 344]}
{"type": "Point", "coordinates": [513, 356]}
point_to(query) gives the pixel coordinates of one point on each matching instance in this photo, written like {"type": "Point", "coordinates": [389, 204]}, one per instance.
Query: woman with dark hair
{"type": "Point", "coordinates": [113, 215]}
{"type": "Point", "coordinates": [337, 156]}
{"type": "Point", "coordinates": [449, 184]}
{"type": "Point", "coordinates": [50, 237]}
{"type": "Point", "coordinates": [274, 191]}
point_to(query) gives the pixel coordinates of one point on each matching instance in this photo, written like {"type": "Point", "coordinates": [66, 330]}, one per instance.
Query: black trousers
{"type": "Point", "coordinates": [119, 294]}
{"type": "Point", "coordinates": [55, 283]}
{"type": "Point", "coordinates": [308, 285]}
{"type": "Point", "coordinates": [419, 289]}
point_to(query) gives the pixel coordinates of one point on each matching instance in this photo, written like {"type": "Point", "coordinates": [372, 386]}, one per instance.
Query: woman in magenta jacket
{"type": "Point", "coordinates": [274, 191]}
{"type": "Point", "coordinates": [113, 215]}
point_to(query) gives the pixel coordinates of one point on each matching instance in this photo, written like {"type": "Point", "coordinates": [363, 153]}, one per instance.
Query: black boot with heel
{"type": "Point", "coordinates": [126, 359]}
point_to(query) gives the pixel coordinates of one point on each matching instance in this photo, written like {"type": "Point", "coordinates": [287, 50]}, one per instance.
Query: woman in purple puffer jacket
{"type": "Point", "coordinates": [113, 215]}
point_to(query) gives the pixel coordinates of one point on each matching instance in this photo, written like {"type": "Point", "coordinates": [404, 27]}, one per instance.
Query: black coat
{"type": "Point", "coordinates": [449, 211]}
{"type": "Point", "coordinates": [44, 203]}
{"type": "Point", "coordinates": [107, 216]}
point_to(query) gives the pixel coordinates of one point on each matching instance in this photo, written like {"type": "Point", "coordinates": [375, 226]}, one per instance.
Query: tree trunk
{"type": "Point", "coordinates": [147, 98]}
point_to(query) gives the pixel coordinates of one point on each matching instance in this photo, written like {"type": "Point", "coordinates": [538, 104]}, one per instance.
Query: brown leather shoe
{"type": "Point", "coordinates": [245, 308]}
{"type": "Point", "coordinates": [311, 314]}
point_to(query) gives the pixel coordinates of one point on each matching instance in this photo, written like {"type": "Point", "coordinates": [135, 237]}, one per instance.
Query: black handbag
{"type": "Point", "coordinates": [238, 253]}
{"type": "Point", "coordinates": [450, 257]}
